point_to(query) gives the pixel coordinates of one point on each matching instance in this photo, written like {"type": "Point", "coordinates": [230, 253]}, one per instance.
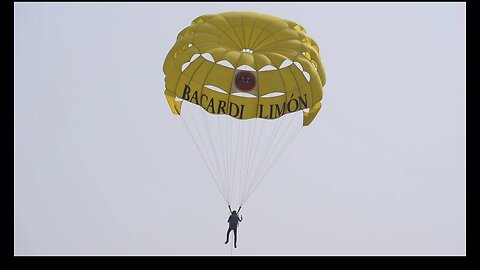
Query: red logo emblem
{"type": "Point", "coordinates": [245, 81]}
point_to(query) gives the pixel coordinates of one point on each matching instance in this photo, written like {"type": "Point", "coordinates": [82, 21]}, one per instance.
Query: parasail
{"type": "Point", "coordinates": [244, 84]}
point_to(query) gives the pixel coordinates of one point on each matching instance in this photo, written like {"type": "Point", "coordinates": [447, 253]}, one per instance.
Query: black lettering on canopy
{"type": "Point", "coordinates": [221, 107]}
{"type": "Point", "coordinates": [195, 97]}
{"type": "Point", "coordinates": [295, 105]}
{"type": "Point", "coordinates": [186, 91]}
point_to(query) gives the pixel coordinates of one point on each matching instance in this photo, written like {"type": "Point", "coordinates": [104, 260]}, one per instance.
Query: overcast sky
{"type": "Point", "coordinates": [102, 167]}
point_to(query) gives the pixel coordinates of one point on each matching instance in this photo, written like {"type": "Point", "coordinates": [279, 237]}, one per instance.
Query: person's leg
{"type": "Point", "coordinates": [235, 236]}
{"type": "Point", "coordinates": [228, 232]}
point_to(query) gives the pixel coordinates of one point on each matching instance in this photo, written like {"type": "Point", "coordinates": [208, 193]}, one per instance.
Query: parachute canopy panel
{"type": "Point", "coordinates": [245, 65]}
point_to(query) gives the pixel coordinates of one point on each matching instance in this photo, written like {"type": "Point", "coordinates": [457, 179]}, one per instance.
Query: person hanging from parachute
{"type": "Point", "coordinates": [233, 222]}
{"type": "Point", "coordinates": [244, 84]}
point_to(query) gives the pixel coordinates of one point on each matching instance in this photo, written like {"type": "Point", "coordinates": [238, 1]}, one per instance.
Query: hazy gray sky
{"type": "Point", "coordinates": [102, 167]}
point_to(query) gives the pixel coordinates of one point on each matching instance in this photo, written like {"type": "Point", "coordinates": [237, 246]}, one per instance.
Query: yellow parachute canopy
{"type": "Point", "coordinates": [246, 65]}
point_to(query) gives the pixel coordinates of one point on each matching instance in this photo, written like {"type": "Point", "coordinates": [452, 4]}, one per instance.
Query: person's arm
{"type": "Point", "coordinates": [239, 209]}
{"type": "Point", "coordinates": [229, 208]}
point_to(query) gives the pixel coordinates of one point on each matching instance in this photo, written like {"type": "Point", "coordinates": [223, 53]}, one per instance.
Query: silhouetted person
{"type": "Point", "coordinates": [233, 222]}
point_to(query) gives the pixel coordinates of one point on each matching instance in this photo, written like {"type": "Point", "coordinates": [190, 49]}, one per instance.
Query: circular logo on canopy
{"type": "Point", "coordinates": [245, 81]}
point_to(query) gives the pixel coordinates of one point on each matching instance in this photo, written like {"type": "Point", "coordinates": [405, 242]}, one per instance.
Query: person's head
{"type": "Point", "coordinates": [234, 212]}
